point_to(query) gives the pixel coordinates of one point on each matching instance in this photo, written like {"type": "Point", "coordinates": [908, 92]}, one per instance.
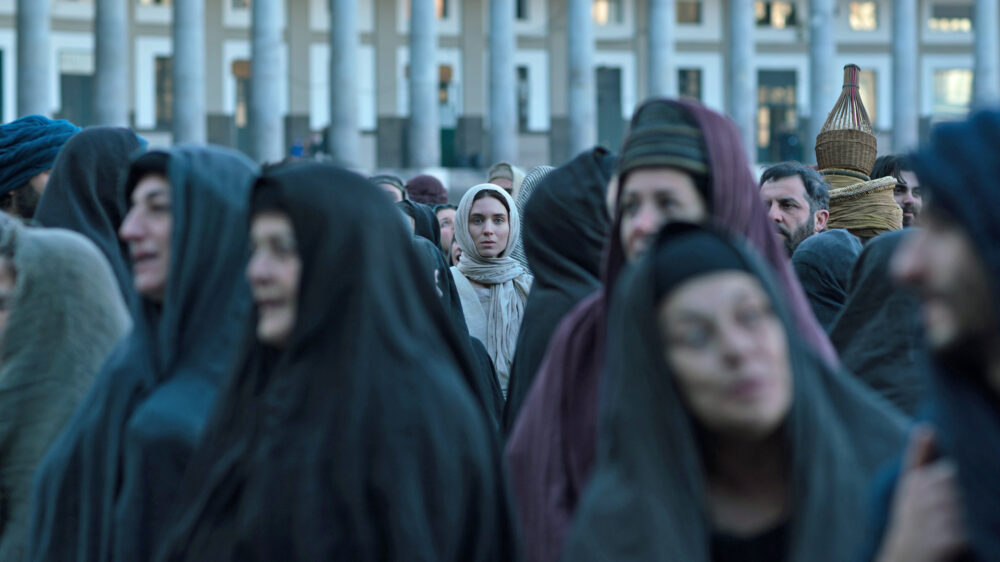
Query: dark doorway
{"type": "Point", "coordinates": [77, 93]}
{"type": "Point", "coordinates": [610, 125]}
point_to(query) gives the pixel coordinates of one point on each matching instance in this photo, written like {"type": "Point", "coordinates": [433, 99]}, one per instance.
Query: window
{"type": "Point", "coordinates": [777, 15]}
{"type": "Point", "coordinates": [689, 12]}
{"type": "Point", "coordinates": [441, 8]}
{"type": "Point", "coordinates": [241, 4]}
{"type": "Point", "coordinates": [866, 86]}
{"type": "Point", "coordinates": [777, 117]}
{"type": "Point", "coordinates": [951, 18]}
{"type": "Point", "coordinates": [523, 98]}
{"type": "Point", "coordinates": [608, 12]}
{"type": "Point", "coordinates": [164, 72]}
{"type": "Point", "coordinates": [522, 10]}
{"type": "Point", "coordinates": [863, 16]}
{"type": "Point", "coordinates": [156, 2]}
{"type": "Point", "coordinates": [952, 92]}
{"type": "Point", "coordinates": [689, 83]}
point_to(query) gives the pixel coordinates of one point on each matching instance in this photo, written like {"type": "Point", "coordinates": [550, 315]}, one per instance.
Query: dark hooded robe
{"type": "Point", "coordinates": [878, 333]}
{"type": "Point", "coordinates": [552, 446]}
{"type": "Point", "coordinates": [958, 170]}
{"type": "Point", "coordinates": [565, 228]}
{"type": "Point", "coordinates": [104, 490]}
{"type": "Point", "coordinates": [83, 193]}
{"type": "Point", "coordinates": [65, 315]}
{"type": "Point", "coordinates": [823, 265]}
{"type": "Point", "coordinates": [358, 440]}
{"type": "Point", "coordinates": [647, 500]}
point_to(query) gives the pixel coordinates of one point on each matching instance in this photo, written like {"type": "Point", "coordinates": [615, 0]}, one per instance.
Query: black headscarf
{"type": "Point", "coordinates": [359, 440]}
{"type": "Point", "coordinates": [647, 499]}
{"type": "Point", "coordinates": [104, 490]}
{"type": "Point", "coordinates": [958, 169]}
{"type": "Point", "coordinates": [565, 228]}
{"type": "Point", "coordinates": [823, 265]}
{"type": "Point", "coordinates": [878, 333]}
{"type": "Point", "coordinates": [83, 193]}
{"type": "Point", "coordinates": [425, 222]}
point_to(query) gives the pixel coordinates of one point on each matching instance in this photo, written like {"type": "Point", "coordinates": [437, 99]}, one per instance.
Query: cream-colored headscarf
{"type": "Point", "coordinates": [509, 284]}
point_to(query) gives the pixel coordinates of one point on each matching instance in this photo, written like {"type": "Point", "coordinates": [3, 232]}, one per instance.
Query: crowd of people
{"type": "Point", "coordinates": [654, 354]}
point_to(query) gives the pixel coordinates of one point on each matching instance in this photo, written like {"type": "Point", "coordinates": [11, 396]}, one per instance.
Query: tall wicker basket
{"type": "Point", "coordinates": [847, 141]}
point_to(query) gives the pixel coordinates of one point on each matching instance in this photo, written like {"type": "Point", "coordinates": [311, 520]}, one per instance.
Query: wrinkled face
{"type": "Point", "coordinates": [907, 196]}
{"type": "Point", "coordinates": [729, 353]}
{"type": "Point", "coordinates": [788, 207]}
{"type": "Point", "coordinates": [147, 230]}
{"type": "Point", "coordinates": [392, 191]}
{"type": "Point", "coordinates": [941, 264]}
{"type": "Point", "coordinates": [653, 197]}
{"type": "Point", "coordinates": [274, 272]}
{"type": "Point", "coordinates": [489, 226]}
{"type": "Point", "coordinates": [446, 220]}
{"type": "Point", "coordinates": [8, 279]}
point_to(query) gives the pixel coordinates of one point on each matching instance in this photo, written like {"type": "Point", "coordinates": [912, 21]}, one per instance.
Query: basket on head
{"type": "Point", "coordinates": [847, 140]}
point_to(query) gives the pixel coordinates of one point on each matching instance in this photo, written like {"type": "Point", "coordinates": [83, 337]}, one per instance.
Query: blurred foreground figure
{"type": "Point", "coordinates": [105, 489]}
{"type": "Point", "coordinates": [946, 498]}
{"type": "Point", "coordinates": [60, 316]}
{"type": "Point", "coordinates": [347, 432]}
{"type": "Point", "coordinates": [722, 437]}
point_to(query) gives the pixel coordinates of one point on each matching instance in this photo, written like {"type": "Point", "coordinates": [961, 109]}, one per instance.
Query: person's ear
{"type": "Point", "coordinates": [821, 217]}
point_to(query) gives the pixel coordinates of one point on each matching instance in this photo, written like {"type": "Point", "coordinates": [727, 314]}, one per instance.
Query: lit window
{"type": "Point", "coordinates": [778, 15]}
{"type": "Point", "coordinates": [952, 92]}
{"type": "Point", "coordinates": [689, 12]}
{"type": "Point", "coordinates": [607, 12]}
{"type": "Point", "coordinates": [689, 83]}
{"type": "Point", "coordinates": [866, 86]}
{"type": "Point", "coordinates": [951, 18]}
{"type": "Point", "coordinates": [863, 16]}
{"type": "Point", "coordinates": [441, 8]}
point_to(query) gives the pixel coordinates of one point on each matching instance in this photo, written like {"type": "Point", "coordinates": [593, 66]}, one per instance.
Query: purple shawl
{"type": "Point", "coordinates": [552, 447]}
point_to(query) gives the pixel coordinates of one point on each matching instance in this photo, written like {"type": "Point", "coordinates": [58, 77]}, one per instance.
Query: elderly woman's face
{"type": "Point", "coordinates": [147, 230]}
{"type": "Point", "coordinates": [653, 197]}
{"type": "Point", "coordinates": [729, 353]}
{"type": "Point", "coordinates": [274, 271]}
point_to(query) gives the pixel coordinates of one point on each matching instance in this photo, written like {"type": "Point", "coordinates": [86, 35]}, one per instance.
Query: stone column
{"type": "Point", "coordinates": [905, 76]}
{"type": "Point", "coordinates": [111, 64]}
{"type": "Point", "coordinates": [582, 82]}
{"type": "Point", "coordinates": [986, 22]}
{"type": "Point", "coordinates": [502, 82]}
{"type": "Point", "coordinates": [267, 128]}
{"type": "Point", "coordinates": [742, 97]}
{"type": "Point", "coordinates": [189, 71]}
{"type": "Point", "coordinates": [824, 79]}
{"type": "Point", "coordinates": [344, 137]}
{"type": "Point", "coordinates": [424, 134]}
{"type": "Point", "coordinates": [33, 62]}
{"type": "Point", "coordinates": [662, 75]}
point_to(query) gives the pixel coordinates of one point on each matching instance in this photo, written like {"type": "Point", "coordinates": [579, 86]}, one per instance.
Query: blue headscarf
{"type": "Point", "coordinates": [28, 147]}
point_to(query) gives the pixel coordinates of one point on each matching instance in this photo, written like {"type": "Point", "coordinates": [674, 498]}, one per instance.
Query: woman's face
{"type": "Point", "coordinates": [456, 251]}
{"type": "Point", "coordinates": [274, 272]}
{"type": "Point", "coordinates": [729, 353]}
{"type": "Point", "coordinates": [489, 226]}
{"type": "Point", "coordinates": [147, 230]}
{"type": "Point", "coordinates": [653, 197]}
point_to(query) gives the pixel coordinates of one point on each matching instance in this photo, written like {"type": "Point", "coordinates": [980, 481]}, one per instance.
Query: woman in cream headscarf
{"type": "Point", "coordinates": [493, 286]}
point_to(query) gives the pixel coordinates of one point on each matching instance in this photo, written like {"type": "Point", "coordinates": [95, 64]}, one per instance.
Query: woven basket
{"type": "Point", "coordinates": [848, 149]}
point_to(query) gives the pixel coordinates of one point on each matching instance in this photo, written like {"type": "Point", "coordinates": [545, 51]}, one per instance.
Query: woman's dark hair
{"type": "Point", "coordinates": [493, 194]}
{"type": "Point", "coordinates": [150, 163]}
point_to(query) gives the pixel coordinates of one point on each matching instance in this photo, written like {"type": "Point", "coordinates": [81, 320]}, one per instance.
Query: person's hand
{"type": "Point", "coordinates": [926, 520]}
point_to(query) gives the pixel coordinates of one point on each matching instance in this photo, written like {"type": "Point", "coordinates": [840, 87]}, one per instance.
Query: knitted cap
{"type": "Point", "coordinates": [663, 134]}
{"type": "Point", "coordinates": [28, 147]}
{"type": "Point", "coordinates": [427, 190]}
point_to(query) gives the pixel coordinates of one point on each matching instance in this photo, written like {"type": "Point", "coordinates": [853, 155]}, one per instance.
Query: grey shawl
{"type": "Point", "coordinates": [531, 180]}
{"type": "Point", "coordinates": [66, 315]}
{"type": "Point", "coordinates": [509, 285]}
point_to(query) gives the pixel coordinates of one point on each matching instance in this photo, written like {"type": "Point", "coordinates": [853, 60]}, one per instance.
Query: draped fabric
{"type": "Point", "coordinates": [531, 181]}
{"type": "Point", "coordinates": [823, 265]}
{"type": "Point", "coordinates": [565, 228]}
{"type": "Point", "coordinates": [647, 499]}
{"type": "Point", "coordinates": [497, 324]}
{"type": "Point", "coordinates": [358, 440]}
{"type": "Point", "coordinates": [66, 314]}
{"type": "Point", "coordinates": [878, 332]}
{"type": "Point", "coordinates": [84, 193]}
{"type": "Point", "coordinates": [104, 490]}
{"type": "Point", "coordinates": [552, 446]}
